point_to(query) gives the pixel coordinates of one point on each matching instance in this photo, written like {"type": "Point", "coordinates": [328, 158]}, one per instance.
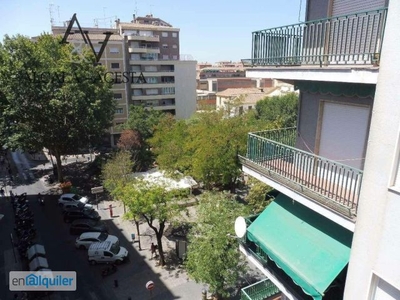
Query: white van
{"type": "Point", "coordinates": [106, 252]}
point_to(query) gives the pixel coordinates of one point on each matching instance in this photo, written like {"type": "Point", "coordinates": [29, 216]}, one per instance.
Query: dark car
{"type": "Point", "coordinates": [73, 215]}
{"type": "Point", "coordinates": [85, 225]}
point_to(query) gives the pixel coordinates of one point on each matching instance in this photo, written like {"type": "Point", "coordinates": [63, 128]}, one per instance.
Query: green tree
{"type": "Point", "coordinates": [116, 171]}
{"type": "Point", "coordinates": [143, 121]}
{"type": "Point", "coordinates": [257, 195]}
{"type": "Point", "coordinates": [51, 97]}
{"type": "Point", "coordinates": [279, 110]}
{"type": "Point", "coordinates": [213, 255]}
{"type": "Point", "coordinates": [156, 203]}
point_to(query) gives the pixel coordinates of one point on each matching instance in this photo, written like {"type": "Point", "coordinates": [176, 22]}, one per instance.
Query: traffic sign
{"type": "Point", "coordinates": [97, 190]}
{"type": "Point", "coordinates": [150, 285]}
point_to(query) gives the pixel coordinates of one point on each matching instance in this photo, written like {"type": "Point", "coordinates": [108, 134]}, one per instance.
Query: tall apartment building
{"type": "Point", "coordinates": [333, 230]}
{"type": "Point", "coordinates": [147, 49]}
{"type": "Point", "coordinates": [152, 47]}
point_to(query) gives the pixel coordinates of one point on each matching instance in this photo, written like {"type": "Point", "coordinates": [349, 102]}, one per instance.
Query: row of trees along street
{"type": "Point", "coordinates": [204, 147]}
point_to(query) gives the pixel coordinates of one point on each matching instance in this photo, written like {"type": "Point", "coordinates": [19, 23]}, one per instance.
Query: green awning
{"type": "Point", "coordinates": [310, 248]}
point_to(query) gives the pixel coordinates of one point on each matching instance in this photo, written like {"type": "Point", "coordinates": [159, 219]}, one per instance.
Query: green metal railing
{"type": "Point", "coordinates": [334, 184]}
{"type": "Point", "coordinates": [259, 291]}
{"type": "Point", "coordinates": [347, 39]}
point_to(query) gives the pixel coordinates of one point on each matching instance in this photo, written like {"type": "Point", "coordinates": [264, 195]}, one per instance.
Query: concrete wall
{"type": "Point", "coordinates": [309, 107]}
{"type": "Point", "coordinates": [185, 89]}
{"type": "Point", "coordinates": [376, 243]}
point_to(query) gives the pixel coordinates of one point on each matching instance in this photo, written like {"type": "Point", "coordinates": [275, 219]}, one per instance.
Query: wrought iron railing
{"type": "Point", "coordinates": [259, 291]}
{"type": "Point", "coordinates": [347, 39]}
{"type": "Point", "coordinates": [272, 153]}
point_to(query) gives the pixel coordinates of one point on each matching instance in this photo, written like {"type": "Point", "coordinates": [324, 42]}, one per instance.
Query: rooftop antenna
{"type": "Point", "coordinates": [51, 14]}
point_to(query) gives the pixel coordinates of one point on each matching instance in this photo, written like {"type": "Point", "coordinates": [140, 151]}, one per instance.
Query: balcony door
{"type": "Point", "coordinates": [343, 132]}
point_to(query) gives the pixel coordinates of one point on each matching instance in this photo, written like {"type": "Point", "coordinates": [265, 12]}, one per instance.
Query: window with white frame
{"type": "Point", "coordinates": [168, 90]}
{"type": "Point", "coordinates": [174, 57]}
{"type": "Point", "coordinates": [175, 34]}
{"type": "Point", "coordinates": [119, 110]}
{"type": "Point", "coordinates": [164, 34]}
{"type": "Point", "coordinates": [165, 56]}
{"type": "Point", "coordinates": [114, 50]}
{"type": "Point", "coordinates": [174, 46]}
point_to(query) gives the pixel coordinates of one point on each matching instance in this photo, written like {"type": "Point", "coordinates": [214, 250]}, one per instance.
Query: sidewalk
{"type": "Point", "coordinates": [175, 280]}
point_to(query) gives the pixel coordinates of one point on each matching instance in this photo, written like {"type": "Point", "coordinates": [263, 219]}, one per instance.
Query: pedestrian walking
{"type": "Point", "coordinates": [2, 193]}
{"type": "Point", "coordinates": [153, 249]}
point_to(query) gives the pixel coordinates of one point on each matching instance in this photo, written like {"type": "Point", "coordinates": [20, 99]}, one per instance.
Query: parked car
{"type": "Point", "coordinates": [84, 225]}
{"type": "Point", "coordinates": [76, 205]}
{"type": "Point", "coordinates": [106, 252]}
{"type": "Point", "coordinates": [71, 198]}
{"type": "Point", "coordinates": [81, 214]}
{"type": "Point", "coordinates": [87, 238]}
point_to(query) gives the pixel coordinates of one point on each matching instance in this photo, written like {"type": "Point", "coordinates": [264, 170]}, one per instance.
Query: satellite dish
{"type": "Point", "coordinates": [240, 227]}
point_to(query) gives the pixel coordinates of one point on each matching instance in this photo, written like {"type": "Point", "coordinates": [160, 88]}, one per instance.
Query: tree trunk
{"type": "Point", "coordinates": [159, 234]}
{"type": "Point", "coordinates": [59, 166]}
{"type": "Point", "coordinates": [138, 232]}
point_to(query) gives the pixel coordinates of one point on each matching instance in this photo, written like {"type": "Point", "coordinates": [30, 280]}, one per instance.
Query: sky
{"type": "Point", "coordinates": [210, 30]}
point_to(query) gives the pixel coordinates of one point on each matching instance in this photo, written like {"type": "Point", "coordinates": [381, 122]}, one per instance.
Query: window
{"type": "Point", "coordinates": [150, 68]}
{"type": "Point", "coordinates": [165, 56]}
{"type": "Point", "coordinates": [119, 111]}
{"type": "Point", "coordinates": [175, 57]}
{"type": "Point", "coordinates": [152, 92]}
{"type": "Point", "coordinates": [383, 290]}
{"type": "Point", "coordinates": [168, 90]}
{"type": "Point", "coordinates": [165, 46]}
{"type": "Point", "coordinates": [135, 56]}
{"type": "Point", "coordinates": [164, 34]}
{"type": "Point", "coordinates": [114, 65]}
{"type": "Point", "coordinates": [136, 69]}
{"type": "Point", "coordinates": [106, 253]}
{"type": "Point", "coordinates": [114, 50]}
{"type": "Point", "coordinates": [151, 79]}
{"type": "Point", "coordinates": [117, 96]}
{"type": "Point", "coordinates": [174, 46]}
{"type": "Point", "coordinates": [97, 49]}
{"type": "Point", "coordinates": [137, 92]}
{"type": "Point", "coordinates": [175, 34]}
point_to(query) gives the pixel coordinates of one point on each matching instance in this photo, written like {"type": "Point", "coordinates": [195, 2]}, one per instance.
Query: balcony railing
{"type": "Point", "coordinates": [347, 39]}
{"type": "Point", "coordinates": [259, 291]}
{"type": "Point", "coordinates": [272, 154]}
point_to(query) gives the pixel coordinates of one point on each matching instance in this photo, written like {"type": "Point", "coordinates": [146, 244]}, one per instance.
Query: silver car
{"type": "Point", "coordinates": [86, 239]}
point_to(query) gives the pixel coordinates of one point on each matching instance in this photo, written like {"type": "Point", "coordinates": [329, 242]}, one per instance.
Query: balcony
{"type": "Point", "coordinates": [328, 183]}
{"type": "Point", "coordinates": [259, 291]}
{"type": "Point", "coordinates": [144, 49]}
{"type": "Point", "coordinates": [151, 38]}
{"type": "Point", "coordinates": [354, 39]}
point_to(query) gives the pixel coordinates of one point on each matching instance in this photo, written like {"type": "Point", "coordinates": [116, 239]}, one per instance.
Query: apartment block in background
{"type": "Point", "coordinates": [113, 58]}
{"type": "Point", "coordinates": [152, 47]}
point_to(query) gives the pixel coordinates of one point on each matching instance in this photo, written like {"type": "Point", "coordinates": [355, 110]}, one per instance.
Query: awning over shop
{"type": "Point", "coordinates": [310, 248]}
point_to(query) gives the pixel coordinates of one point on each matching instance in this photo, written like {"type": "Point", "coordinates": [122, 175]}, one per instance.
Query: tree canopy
{"type": "Point", "coordinates": [279, 110]}
{"type": "Point", "coordinates": [213, 256]}
{"type": "Point", "coordinates": [51, 96]}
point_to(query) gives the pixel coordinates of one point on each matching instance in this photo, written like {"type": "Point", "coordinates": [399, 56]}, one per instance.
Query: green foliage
{"type": "Point", "coordinates": [116, 170]}
{"type": "Point", "coordinates": [152, 201]}
{"type": "Point", "coordinates": [204, 147]}
{"type": "Point", "coordinates": [143, 121]}
{"type": "Point", "coordinates": [257, 195]}
{"type": "Point", "coordinates": [213, 256]}
{"type": "Point", "coordinates": [51, 97]}
{"type": "Point", "coordinates": [279, 110]}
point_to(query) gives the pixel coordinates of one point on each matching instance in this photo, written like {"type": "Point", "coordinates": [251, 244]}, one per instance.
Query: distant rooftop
{"type": "Point", "coordinates": [251, 95]}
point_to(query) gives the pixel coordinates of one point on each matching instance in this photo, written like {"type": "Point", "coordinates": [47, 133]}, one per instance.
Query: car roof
{"type": "Point", "coordinates": [68, 195]}
{"type": "Point", "coordinates": [101, 245]}
{"type": "Point", "coordinates": [86, 235]}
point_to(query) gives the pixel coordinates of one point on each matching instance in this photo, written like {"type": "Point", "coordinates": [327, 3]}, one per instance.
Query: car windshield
{"type": "Point", "coordinates": [76, 197]}
{"type": "Point", "coordinates": [115, 248]}
{"type": "Point", "coordinates": [103, 236]}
